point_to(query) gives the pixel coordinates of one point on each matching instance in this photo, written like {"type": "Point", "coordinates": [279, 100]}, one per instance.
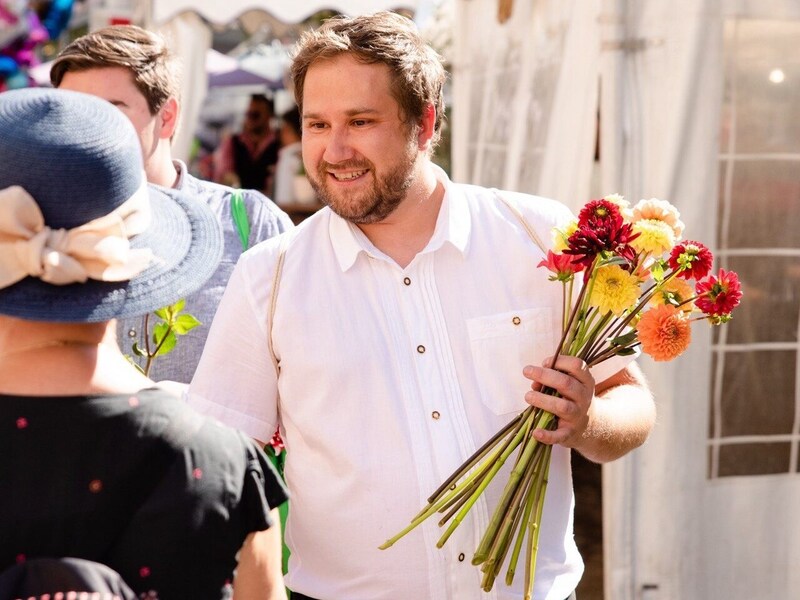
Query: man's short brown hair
{"type": "Point", "coordinates": [144, 53]}
{"type": "Point", "coordinates": [417, 73]}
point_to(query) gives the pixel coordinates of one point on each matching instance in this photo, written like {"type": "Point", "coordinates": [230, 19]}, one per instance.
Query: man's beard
{"type": "Point", "coordinates": [377, 202]}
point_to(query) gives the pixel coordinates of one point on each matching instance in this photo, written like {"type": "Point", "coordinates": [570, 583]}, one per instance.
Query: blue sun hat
{"type": "Point", "coordinates": [83, 237]}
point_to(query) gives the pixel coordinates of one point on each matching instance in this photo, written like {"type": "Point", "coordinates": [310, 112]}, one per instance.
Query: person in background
{"type": "Point", "coordinates": [134, 70]}
{"type": "Point", "coordinates": [248, 159]}
{"type": "Point", "coordinates": [98, 463]}
{"type": "Point", "coordinates": [290, 159]}
{"type": "Point", "coordinates": [389, 335]}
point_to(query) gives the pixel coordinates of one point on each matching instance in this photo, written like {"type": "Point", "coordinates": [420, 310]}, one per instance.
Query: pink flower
{"type": "Point", "coordinates": [561, 265]}
{"type": "Point", "coordinates": [692, 259]}
{"type": "Point", "coordinates": [718, 296]}
{"type": "Point", "coordinates": [277, 442]}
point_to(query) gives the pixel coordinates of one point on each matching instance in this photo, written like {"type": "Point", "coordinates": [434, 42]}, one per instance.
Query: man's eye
{"type": "Point", "coordinates": [360, 122]}
{"type": "Point", "coordinates": [315, 125]}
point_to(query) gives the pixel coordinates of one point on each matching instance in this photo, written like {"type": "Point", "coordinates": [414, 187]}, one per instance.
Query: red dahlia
{"type": "Point", "coordinates": [597, 211]}
{"type": "Point", "coordinates": [718, 296]}
{"type": "Point", "coordinates": [692, 259]}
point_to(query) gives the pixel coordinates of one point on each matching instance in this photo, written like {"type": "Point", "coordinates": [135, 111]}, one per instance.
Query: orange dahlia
{"type": "Point", "coordinates": [664, 332]}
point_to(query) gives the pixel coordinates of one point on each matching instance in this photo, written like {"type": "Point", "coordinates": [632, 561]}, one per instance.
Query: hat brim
{"type": "Point", "coordinates": [186, 240]}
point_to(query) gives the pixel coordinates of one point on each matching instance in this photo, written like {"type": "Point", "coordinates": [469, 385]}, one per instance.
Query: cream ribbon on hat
{"type": "Point", "coordinates": [99, 249]}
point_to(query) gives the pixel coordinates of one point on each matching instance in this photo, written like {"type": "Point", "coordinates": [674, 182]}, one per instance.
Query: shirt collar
{"type": "Point", "coordinates": [180, 167]}
{"type": "Point", "coordinates": [453, 227]}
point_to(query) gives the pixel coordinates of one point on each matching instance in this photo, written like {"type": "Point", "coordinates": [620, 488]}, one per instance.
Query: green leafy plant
{"type": "Point", "coordinates": [171, 323]}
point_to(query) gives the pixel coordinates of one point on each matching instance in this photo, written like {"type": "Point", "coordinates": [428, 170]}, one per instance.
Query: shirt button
{"type": "Point", "coordinates": [421, 349]}
{"type": "Point", "coordinates": [435, 414]}
{"type": "Point", "coordinates": [461, 557]}
{"type": "Point", "coordinates": [516, 320]}
{"type": "Point", "coordinates": [407, 281]}
{"type": "Point", "coordinates": [131, 333]}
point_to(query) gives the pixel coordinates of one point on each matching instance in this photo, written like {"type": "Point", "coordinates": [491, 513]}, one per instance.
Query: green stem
{"type": "Point", "coordinates": [530, 500]}
{"type": "Point", "coordinates": [482, 553]}
{"type": "Point", "coordinates": [477, 455]}
{"type": "Point", "coordinates": [498, 463]}
{"type": "Point", "coordinates": [535, 528]}
{"type": "Point", "coordinates": [447, 497]}
{"type": "Point", "coordinates": [512, 516]}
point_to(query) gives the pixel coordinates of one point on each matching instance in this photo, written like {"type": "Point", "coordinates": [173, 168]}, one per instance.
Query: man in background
{"type": "Point", "coordinates": [290, 159]}
{"type": "Point", "coordinates": [248, 159]}
{"type": "Point", "coordinates": [134, 70]}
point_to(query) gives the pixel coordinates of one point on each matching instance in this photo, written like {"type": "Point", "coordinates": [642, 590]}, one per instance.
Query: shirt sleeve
{"type": "Point", "coordinates": [235, 380]}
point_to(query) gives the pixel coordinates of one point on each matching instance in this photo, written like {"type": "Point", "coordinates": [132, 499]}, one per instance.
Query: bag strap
{"type": "Point", "coordinates": [240, 220]}
{"type": "Point", "coordinates": [516, 212]}
{"type": "Point", "coordinates": [273, 297]}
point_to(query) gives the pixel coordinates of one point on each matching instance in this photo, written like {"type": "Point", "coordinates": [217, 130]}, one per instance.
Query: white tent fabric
{"type": "Point", "coordinates": [190, 39]}
{"type": "Point", "coordinates": [525, 97]}
{"type": "Point", "coordinates": [288, 11]}
{"type": "Point", "coordinates": [671, 530]}
{"type": "Point", "coordinates": [674, 528]}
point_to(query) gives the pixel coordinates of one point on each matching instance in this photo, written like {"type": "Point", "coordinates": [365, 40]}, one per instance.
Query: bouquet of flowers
{"type": "Point", "coordinates": [641, 286]}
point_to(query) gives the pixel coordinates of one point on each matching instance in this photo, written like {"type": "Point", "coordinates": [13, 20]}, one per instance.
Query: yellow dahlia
{"type": "Point", "coordinates": [614, 290]}
{"type": "Point", "coordinates": [655, 237]}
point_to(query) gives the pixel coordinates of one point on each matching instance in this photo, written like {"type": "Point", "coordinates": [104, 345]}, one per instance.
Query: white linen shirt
{"type": "Point", "coordinates": [390, 378]}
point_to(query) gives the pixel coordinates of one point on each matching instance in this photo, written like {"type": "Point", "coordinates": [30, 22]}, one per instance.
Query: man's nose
{"type": "Point", "coordinates": [338, 147]}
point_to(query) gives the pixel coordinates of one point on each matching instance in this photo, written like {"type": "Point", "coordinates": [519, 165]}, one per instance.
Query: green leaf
{"type": "Point", "coordinates": [137, 350]}
{"type": "Point", "coordinates": [625, 351]}
{"type": "Point", "coordinates": [135, 364]}
{"type": "Point", "coordinates": [612, 260]}
{"type": "Point", "coordinates": [624, 340]}
{"type": "Point", "coordinates": [657, 270]}
{"type": "Point", "coordinates": [163, 313]}
{"type": "Point", "coordinates": [159, 331]}
{"type": "Point", "coordinates": [185, 323]}
{"type": "Point", "coordinates": [168, 345]}
{"type": "Point", "coordinates": [178, 306]}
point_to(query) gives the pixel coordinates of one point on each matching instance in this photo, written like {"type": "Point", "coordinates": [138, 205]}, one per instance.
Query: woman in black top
{"type": "Point", "coordinates": [96, 462]}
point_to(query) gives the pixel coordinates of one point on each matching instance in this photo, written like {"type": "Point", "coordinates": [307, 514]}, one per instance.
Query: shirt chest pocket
{"type": "Point", "coordinates": [502, 345]}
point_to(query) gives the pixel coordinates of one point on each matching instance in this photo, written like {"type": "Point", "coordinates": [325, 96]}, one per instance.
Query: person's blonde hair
{"type": "Point", "coordinates": [417, 73]}
{"type": "Point", "coordinates": [145, 54]}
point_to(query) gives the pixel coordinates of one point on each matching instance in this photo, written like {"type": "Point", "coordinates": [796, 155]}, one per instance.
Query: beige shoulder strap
{"type": "Point", "coordinates": [273, 297]}
{"type": "Point", "coordinates": [531, 233]}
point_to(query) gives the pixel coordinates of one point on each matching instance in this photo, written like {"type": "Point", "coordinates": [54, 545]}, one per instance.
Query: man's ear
{"type": "Point", "coordinates": [169, 119]}
{"type": "Point", "coordinates": [427, 124]}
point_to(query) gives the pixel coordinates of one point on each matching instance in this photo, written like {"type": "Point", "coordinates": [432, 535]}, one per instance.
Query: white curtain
{"type": "Point", "coordinates": [674, 526]}
{"type": "Point", "coordinates": [525, 97]}
{"type": "Point", "coordinates": [190, 39]}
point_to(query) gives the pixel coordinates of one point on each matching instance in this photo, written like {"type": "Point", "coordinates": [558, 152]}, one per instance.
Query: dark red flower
{"type": "Point", "coordinates": [718, 296]}
{"type": "Point", "coordinates": [692, 260]}
{"type": "Point", "coordinates": [609, 234]}
{"type": "Point", "coordinates": [598, 211]}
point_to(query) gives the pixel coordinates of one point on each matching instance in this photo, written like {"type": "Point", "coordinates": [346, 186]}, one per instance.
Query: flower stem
{"type": "Point", "coordinates": [472, 460]}
{"type": "Point", "coordinates": [498, 463]}
{"type": "Point", "coordinates": [482, 553]}
{"type": "Point", "coordinates": [534, 527]}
